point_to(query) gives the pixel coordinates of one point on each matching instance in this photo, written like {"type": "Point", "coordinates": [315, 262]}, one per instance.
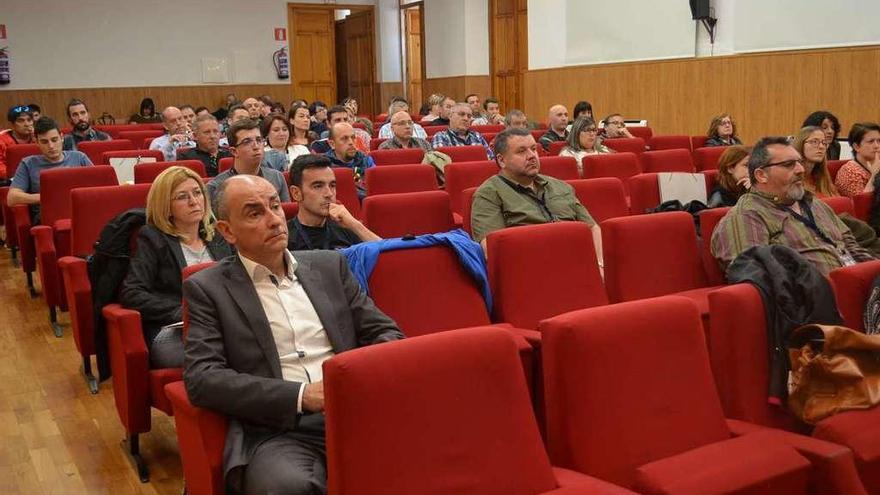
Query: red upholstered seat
{"type": "Point", "coordinates": [619, 165]}
{"type": "Point", "coordinates": [225, 164]}
{"type": "Point", "coordinates": [834, 167]}
{"type": "Point", "coordinates": [397, 157]}
{"type": "Point", "coordinates": [641, 131]}
{"type": "Point", "coordinates": [556, 147]}
{"type": "Point", "coordinates": [416, 213]}
{"type": "Point", "coordinates": [698, 141]}
{"type": "Point", "coordinates": [674, 160]}
{"type": "Point", "coordinates": [560, 167]}
{"type": "Point", "coordinates": [840, 204]}
{"type": "Point", "coordinates": [622, 145]}
{"type": "Point", "coordinates": [863, 203]}
{"type": "Point", "coordinates": [644, 191]}
{"type": "Point", "coordinates": [860, 431]}
{"type": "Point", "coordinates": [539, 271]}
{"type": "Point", "coordinates": [852, 287]}
{"type": "Point", "coordinates": [156, 154]}
{"type": "Point", "coordinates": [451, 410]}
{"type": "Point", "coordinates": [346, 191]}
{"type": "Point", "coordinates": [290, 210]}
{"type": "Point", "coordinates": [401, 179]}
{"type": "Point", "coordinates": [467, 203]}
{"type": "Point", "coordinates": [14, 155]}
{"type": "Point", "coordinates": [668, 434]}
{"type": "Point", "coordinates": [604, 198]}
{"type": "Point", "coordinates": [669, 143]}
{"type": "Point", "coordinates": [483, 129]}
{"type": "Point", "coordinates": [707, 158]}
{"type": "Point", "coordinates": [146, 173]}
{"type": "Point", "coordinates": [430, 130]}
{"type": "Point", "coordinates": [139, 138]}
{"type": "Point", "coordinates": [95, 149]}
{"type": "Point", "coordinates": [464, 153]}
{"type": "Point", "coordinates": [464, 175]}
{"type": "Point", "coordinates": [708, 221]}
{"type": "Point", "coordinates": [115, 129]}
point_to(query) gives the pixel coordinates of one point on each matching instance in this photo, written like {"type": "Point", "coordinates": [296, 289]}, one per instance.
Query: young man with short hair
{"type": "Point", "coordinates": [22, 119]}
{"type": "Point", "coordinates": [81, 125]}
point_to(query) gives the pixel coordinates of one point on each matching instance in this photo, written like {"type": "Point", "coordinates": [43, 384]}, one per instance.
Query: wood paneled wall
{"type": "Point", "coordinates": [766, 93]}
{"type": "Point", "coordinates": [457, 87]}
{"type": "Point", "coordinates": [123, 102]}
{"type": "Point", "coordinates": [387, 90]}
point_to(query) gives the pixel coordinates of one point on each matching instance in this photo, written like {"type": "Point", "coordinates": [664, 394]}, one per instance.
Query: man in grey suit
{"type": "Point", "coordinates": [260, 325]}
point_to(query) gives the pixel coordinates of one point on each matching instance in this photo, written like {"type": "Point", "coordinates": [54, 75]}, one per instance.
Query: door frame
{"type": "Point", "coordinates": [520, 59]}
{"type": "Point", "coordinates": [291, 8]}
{"type": "Point", "coordinates": [404, 56]}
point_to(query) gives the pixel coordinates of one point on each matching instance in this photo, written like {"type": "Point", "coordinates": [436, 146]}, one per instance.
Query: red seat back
{"type": "Point", "coordinates": [225, 164]}
{"type": "Point", "coordinates": [651, 255]}
{"type": "Point", "coordinates": [671, 142]}
{"type": "Point", "coordinates": [698, 141]}
{"type": "Point", "coordinates": [621, 145]}
{"type": "Point", "coordinates": [16, 153]}
{"type": "Point", "coordinates": [430, 130]}
{"type": "Point", "coordinates": [375, 142]}
{"type": "Point", "coordinates": [483, 129]}
{"type": "Point", "coordinates": [463, 175]}
{"type": "Point", "coordinates": [346, 191]}
{"type": "Point", "coordinates": [146, 173]}
{"type": "Point", "coordinates": [560, 167]}
{"type": "Point", "coordinates": [604, 198]}
{"type": "Point", "coordinates": [464, 153]}
{"type": "Point", "coordinates": [467, 202]}
{"type": "Point", "coordinates": [840, 204]}
{"type": "Point", "coordinates": [674, 160]}
{"type": "Point", "coordinates": [539, 271]}
{"type": "Point", "coordinates": [107, 155]}
{"type": "Point", "coordinates": [863, 203]}
{"type": "Point", "coordinates": [398, 157]}
{"type": "Point", "coordinates": [426, 301]}
{"type": "Point", "coordinates": [401, 179]}
{"type": "Point", "coordinates": [94, 149]}
{"type": "Point", "coordinates": [619, 165]}
{"type": "Point", "coordinates": [641, 131]}
{"type": "Point", "coordinates": [115, 129]}
{"type": "Point", "coordinates": [201, 435]}
{"type": "Point", "coordinates": [709, 219]}
{"type": "Point", "coordinates": [415, 213]}
{"type": "Point", "coordinates": [490, 447]}
{"type": "Point", "coordinates": [596, 421]}
{"type": "Point", "coordinates": [834, 167]}
{"type": "Point", "coordinates": [290, 210]}
{"type": "Point", "coordinates": [707, 158]}
{"type": "Point", "coordinates": [139, 138]}
{"type": "Point", "coordinates": [57, 183]}
{"type": "Point", "coordinates": [556, 147]}
{"type": "Point", "coordinates": [852, 287]}
{"type": "Point", "coordinates": [644, 192]}
{"type": "Point", "coordinates": [92, 207]}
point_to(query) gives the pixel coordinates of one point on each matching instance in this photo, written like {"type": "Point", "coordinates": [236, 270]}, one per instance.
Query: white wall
{"type": "Point", "coordinates": [122, 43]}
{"type": "Point", "coordinates": [456, 38]}
{"type": "Point", "coordinates": [388, 40]}
{"type": "Point", "coordinates": [547, 33]}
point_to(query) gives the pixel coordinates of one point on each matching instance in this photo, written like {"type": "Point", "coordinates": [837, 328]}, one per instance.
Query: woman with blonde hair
{"type": "Point", "coordinates": [733, 177]}
{"type": "Point", "coordinates": [179, 233]}
{"type": "Point", "coordinates": [434, 102]}
{"type": "Point", "coordinates": [722, 131]}
{"type": "Point", "coordinates": [812, 145]}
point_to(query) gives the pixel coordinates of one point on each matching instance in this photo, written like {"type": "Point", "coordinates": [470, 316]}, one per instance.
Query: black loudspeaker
{"type": "Point", "coordinates": [700, 9]}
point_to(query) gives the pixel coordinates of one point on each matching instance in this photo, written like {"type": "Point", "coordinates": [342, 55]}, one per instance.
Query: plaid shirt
{"type": "Point", "coordinates": [472, 138]}
{"type": "Point", "coordinates": [757, 220]}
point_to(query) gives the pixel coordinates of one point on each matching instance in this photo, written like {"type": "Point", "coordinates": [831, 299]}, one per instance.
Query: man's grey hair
{"type": "Point", "coordinates": [760, 155]}
{"type": "Point", "coordinates": [513, 113]}
{"type": "Point", "coordinates": [204, 118]}
{"type": "Point", "coordinates": [459, 104]}
{"type": "Point", "coordinates": [165, 110]}
{"type": "Point", "coordinates": [397, 106]}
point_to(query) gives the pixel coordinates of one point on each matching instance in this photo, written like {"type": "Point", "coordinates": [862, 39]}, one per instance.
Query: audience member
{"type": "Point", "coordinates": [266, 104]}
{"type": "Point", "coordinates": [320, 222]}
{"type": "Point", "coordinates": [434, 104]}
{"type": "Point", "coordinates": [473, 101]}
{"type": "Point", "coordinates": [830, 126]}
{"type": "Point", "coordinates": [146, 114]}
{"type": "Point", "coordinates": [36, 111]}
{"type": "Point", "coordinates": [778, 210]}
{"type": "Point", "coordinates": [516, 118]}
{"type": "Point", "coordinates": [22, 132]}
{"type": "Point", "coordinates": [189, 114]}
{"type": "Point", "coordinates": [25, 187]}
{"type": "Point", "coordinates": [318, 111]}
{"type": "Point", "coordinates": [307, 306]}
{"type": "Point", "coordinates": [445, 110]}
{"type": "Point", "coordinates": [733, 177]}
{"type": "Point", "coordinates": [403, 135]}
{"type": "Point", "coordinates": [202, 111]}
{"type": "Point", "coordinates": [81, 125]}
{"type": "Point", "coordinates": [557, 121]}
{"type": "Point", "coordinates": [336, 115]}
{"type": "Point", "coordinates": [722, 131]}
{"type": "Point", "coordinates": [810, 143]}
{"type": "Point", "coordinates": [236, 113]}
{"type": "Point", "coordinates": [177, 134]}
{"type": "Point", "coordinates": [206, 132]}
{"type": "Point", "coordinates": [276, 131]}
{"type": "Point", "coordinates": [352, 105]}
{"type": "Point", "coordinates": [387, 132]}
{"type": "Point", "coordinates": [615, 127]}
{"type": "Point", "coordinates": [583, 140]}
{"type": "Point", "coordinates": [254, 108]}
{"type": "Point", "coordinates": [519, 195]}
{"type": "Point", "coordinates": [246, 145]}
{"type": "Point", "coordinates": [344, 153]}
{"type": "Point", "coordinates": [582, 109]}
{"type": "Point", "coordinates": [491, 114]}
{"type": "Point", "coordinates": [277, 107]}
{"type": "Point", "coordinates": [857, 175]}
{"type": "Point", "coordinates": [300, 125]}
{"type": "Point", "coordinates": [179, 232]}
{"type": "Point", "coordinates": [459, 132]}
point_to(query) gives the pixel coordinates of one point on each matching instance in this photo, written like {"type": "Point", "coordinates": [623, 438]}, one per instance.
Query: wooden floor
{"type": "Point", "coordinates": [56, 437]}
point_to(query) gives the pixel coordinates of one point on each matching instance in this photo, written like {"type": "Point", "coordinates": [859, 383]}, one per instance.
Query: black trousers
{"type": "Point", "coordinates": [293, 463]}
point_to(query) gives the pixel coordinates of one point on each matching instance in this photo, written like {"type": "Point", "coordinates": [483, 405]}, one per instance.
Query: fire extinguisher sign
{"type": "Point", "coordinates": [280, 34]}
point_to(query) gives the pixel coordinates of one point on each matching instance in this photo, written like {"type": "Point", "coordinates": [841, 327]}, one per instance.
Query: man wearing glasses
{"type": "Point", "coordinates": [22, 132]}
{"type": "Point", "coordinates": [778, 210]}
{"type": "Point", "coordinates": [615, 127]}
{"type": "Point", "coordinates": [403, 133]}
{"type": "Point", "coordinates": [387, 130]}
{"type": "Point", "coordinates": [459, 132]}
{"type": "Point", "coordinates": [246, 144]}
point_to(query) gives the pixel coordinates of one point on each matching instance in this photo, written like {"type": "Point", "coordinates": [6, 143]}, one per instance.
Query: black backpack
{"type": "Point", "coordinates": [107, 268]}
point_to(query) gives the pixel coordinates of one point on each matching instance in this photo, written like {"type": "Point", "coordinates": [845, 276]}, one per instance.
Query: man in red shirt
{"type": "Point", "coordinates": [22, 132]}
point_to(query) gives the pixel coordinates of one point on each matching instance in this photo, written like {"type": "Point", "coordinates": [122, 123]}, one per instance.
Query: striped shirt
{"type": "Point", "coordinates": [757, 220]}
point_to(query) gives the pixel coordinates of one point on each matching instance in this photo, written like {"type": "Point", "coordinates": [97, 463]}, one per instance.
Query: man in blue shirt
{"type": "Point", "coordinates": [80, 121]}
{"type": "Point", "coordinates": [25, 188]}
{"type": "Point", "coordinates": [344, 153]}
{"type": "Point", "coordinates": [459, 132]}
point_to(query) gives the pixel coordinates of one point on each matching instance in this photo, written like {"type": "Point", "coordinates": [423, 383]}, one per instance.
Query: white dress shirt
{"type": "Point", "coordinates": [168, 148]}
{"type": "Point", "coordinates": [299, 335]}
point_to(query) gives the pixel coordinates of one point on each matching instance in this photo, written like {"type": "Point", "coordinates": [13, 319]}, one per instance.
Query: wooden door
{"type": "Point", "coordinates": [414, 56]}
{"type": "Point", "coordinates": [361, 62]}
{"type": "Point", "coordinates": [341, 63]}
{"type": "Point", "coordinates": [312, 61]}
{"type": "Point", "coordinates": [508, 46]}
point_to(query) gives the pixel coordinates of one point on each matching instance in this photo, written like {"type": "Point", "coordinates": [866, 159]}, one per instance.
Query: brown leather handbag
{"type": "Point", "coordinates": [833, 369]}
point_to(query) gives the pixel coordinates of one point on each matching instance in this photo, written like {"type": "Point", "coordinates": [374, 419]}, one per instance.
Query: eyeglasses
{"type": "Point", "coordinates": [257, 141]}
{"type": "Point", "coordinates": [618, 124]}
{"type": "Point", "coordinates": [404, 123]}
{"type": "Point", "coordinates": [725, 122]}
{"type": "Point", "coordinates": [465, 115]}
{"type": "Point", "coordinates": [786, 164]}
{"type": "Point", "coordinates": [591, 130]}
{"type": "Point", "coordinates": [816, 142]}
{"type": "Point", "coordinates": [185, 196]}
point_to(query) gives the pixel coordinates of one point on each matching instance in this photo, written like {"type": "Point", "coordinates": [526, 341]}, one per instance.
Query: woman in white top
{"type": "Point", "coordinates": [583, 140]}
{"type": "Point", "coordinates": [276, 132]}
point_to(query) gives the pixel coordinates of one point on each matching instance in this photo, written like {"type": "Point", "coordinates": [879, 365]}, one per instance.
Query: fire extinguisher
{"type": "Point", "coordinates": [282, 67]}
{"type": "Point", "coordinates": [5, 76]}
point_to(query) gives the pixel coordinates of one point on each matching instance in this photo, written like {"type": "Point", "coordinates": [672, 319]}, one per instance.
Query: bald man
{"type": "Point", "coordinates": [177, 134]}
{"type": "Point", "coordinates": [403, 134]}
{"type": "Point", "coordinates": [261, 323]}
{"type": "Point", "coordinates": [557, 121]}
{"type": "Point", "coordinates": [344, 153]}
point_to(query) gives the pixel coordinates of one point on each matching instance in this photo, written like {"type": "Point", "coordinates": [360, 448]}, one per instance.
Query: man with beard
{"type": "Point", "coordinates": [520, 195]}
{"type": "Point", "coordinates": [777, 210]}
{"type": "Point", "coordinates": [80, 122]}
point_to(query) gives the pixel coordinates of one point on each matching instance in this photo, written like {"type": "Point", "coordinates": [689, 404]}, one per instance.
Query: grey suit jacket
{"type": "Point", "coordinates": [231, 364]}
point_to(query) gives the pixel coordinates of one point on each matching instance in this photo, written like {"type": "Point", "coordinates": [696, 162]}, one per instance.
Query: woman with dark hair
{"type": "Point", "coordinates": [722, 131]}
{"type": "Point", "coordinates": [810, 143]}
{"type": "Point", "coordinates": [276, 131]}
{"type": "Point", "coordinates": [582, 109]}
{"type": "Point", "coordinates": [300, 122]}
{"type": "Point", "coordinates": [733, 177]}
{"type": "Point", "coordinates": [857, 175]}
{"type": "Point", "coordinates": [147, 113]}
{"type": "Point", "coordinates": [830, 126]}
{"type": "Point", "coordinates": [583, 140]}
